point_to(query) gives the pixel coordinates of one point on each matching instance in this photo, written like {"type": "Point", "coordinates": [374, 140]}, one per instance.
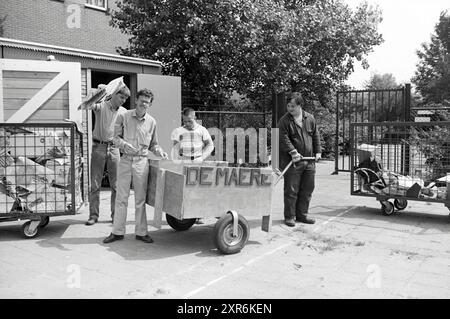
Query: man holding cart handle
{"type": "Point", "coordinates": [299, 149]}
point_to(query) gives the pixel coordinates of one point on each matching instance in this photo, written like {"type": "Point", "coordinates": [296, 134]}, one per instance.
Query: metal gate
{"type": "Point", "coordinates": [234, 120]}
{"type": "Point", "coordinates": [365, 106]}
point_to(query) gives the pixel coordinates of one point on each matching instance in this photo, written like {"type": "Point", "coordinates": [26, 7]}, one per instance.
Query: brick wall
{"type": "Point", "coordinates": [46, 21]}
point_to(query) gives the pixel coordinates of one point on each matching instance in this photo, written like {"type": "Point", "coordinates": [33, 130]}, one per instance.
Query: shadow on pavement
{"type": "Point", "coordinates": [425, 221]}
{"type": "Point", "coordinates": [167, 242]}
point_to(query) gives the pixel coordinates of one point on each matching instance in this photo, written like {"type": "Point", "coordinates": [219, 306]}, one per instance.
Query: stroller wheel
{"type": "Point", "coordinates": [387, 208]}
{"type": "Point", "coordinates": [400, 203]}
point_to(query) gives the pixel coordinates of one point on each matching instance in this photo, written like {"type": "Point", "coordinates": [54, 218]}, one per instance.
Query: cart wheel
{"type": "Point", "coordinates": [387, 208]}
{"type": "Point", "coordinates": [44, 221]}
{"type": "Point", "coordinates": [180, 224]}
{"type": "Point", "coordinates": [223, 234]}
{"type": "Point", "coordinates": [400, 204]}
{"type": "Point", "coordinates": [26, 230]}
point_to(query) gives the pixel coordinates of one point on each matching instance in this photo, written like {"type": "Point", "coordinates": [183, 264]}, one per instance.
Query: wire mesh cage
{"type": "Point", "coordinates": [41, 169]}
{"type": "Point", "coordinates": [401, 160]}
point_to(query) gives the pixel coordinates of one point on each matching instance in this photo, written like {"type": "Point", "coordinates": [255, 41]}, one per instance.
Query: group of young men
{"type": "Point", "coordinates": [122, 140]}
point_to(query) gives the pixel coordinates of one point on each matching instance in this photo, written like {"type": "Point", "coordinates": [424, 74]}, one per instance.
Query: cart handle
{"type": "Point", "coordinates": [289, 165]}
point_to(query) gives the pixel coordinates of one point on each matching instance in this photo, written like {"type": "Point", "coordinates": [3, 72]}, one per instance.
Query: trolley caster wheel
{"type": "Point", "coordinates": [400, 204]}
{"type": "Point", "coordinates": [180, 224]}
{"type": "Point", "coordinates": [27, 231]}
{"type": "Point", "coordinates": [223, 234]}
{"type": "Point", "coordinates": [387, 208]}
{"type": "Point", "coordinates": [44, 221]}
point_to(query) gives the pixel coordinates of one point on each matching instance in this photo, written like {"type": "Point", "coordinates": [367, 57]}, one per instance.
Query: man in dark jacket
{"type": "Point", "coordinates": [299, 138]}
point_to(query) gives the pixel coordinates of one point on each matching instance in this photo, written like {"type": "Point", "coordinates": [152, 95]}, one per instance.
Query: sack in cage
{"type": "Point", "coordinates": [25, 172]}
{"type": "Point", "coordinates": [6, 202]}
{"type": "Point", "coordinates": [44, 198]}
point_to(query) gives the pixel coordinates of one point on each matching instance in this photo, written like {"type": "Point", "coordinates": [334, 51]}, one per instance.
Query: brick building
{"type": "Point", "coordinates": [72, 31]}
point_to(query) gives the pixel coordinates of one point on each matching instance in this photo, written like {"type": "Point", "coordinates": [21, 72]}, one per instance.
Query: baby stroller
{"type": "Point", "coordinates": [370, 176]}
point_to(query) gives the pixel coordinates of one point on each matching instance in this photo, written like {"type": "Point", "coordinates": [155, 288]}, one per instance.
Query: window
{"type": "Point", "coordinates": [97, 4]}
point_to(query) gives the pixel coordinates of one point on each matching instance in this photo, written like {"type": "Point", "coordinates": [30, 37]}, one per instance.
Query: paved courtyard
{"type": "Point", "coordinates": [351, 252]}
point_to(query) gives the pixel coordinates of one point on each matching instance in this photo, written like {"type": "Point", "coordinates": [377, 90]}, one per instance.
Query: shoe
{"type": "Point", "coordinates": [199, 221]}
{"type": "Point", "coordinates": [305, 220]}
{"type": "Point", "coordinates": [146, 239]}
{"type": "Point", "coordinates": [112, 238]}
{"type": "Point", "coordinates": [91, 221]}
{"type": "Point", "coordinates": [289, 222]}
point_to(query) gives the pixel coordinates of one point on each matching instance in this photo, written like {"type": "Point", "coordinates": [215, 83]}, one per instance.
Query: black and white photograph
{"type": "Point", "coordinates": [225, 155]}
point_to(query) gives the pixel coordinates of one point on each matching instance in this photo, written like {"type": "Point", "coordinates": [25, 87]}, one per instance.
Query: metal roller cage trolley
{"type": "Point", "coordinates": [41, 173]}
{"type": "Point", "coordinates": [397, 162]}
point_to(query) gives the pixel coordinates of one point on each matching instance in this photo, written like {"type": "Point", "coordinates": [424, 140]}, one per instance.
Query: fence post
{"type": "Point", "coordinates": [336, 146]}
{"type": "Point", "coordinates": [407, 92]}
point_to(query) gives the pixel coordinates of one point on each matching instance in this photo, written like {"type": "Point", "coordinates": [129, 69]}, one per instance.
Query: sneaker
{"type": "Point", "coordinates": [289, 222]}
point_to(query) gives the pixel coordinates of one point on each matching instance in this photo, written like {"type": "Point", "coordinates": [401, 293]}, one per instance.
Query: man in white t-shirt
{"type": "Point", "coordinates": [192, 141]}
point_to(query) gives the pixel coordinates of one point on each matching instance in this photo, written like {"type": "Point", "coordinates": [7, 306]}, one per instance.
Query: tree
{"type": "Point", "coordinates": [381, 82]}
{"type": "Point", "coordinates": [251, 46]}
{"type": "Point", "coordinates": [432, 77]}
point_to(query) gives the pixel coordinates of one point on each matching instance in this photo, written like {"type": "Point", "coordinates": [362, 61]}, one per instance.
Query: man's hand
{"type": "Point", "coordinates": [164, 155]}
{"type": "Point", "coordinates": [296, 157]}
{"type": "Point", "coordinates": [129, 149]}
{"type": "Point", "coordinates": [318, 156]}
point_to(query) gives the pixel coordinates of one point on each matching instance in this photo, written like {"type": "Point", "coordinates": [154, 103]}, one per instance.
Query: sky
{"type": "Point", "coordinates": [406, 25]}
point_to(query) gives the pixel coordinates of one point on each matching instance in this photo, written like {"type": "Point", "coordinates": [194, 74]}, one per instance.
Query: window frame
{"type": "Point", "coordinates": [96, 7]}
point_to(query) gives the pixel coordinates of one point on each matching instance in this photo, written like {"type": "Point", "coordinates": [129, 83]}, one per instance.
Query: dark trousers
{"type": "Point", "coordinates": [298, 189]}
{"type": "Point", "coordinates": [102, 154]}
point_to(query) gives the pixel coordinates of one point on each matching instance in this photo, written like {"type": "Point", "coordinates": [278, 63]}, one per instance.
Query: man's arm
{"type": "Point", "coordinates": [208, 145]}
{"type": "Point", "coordinates": [154, 146]}
{"type": "Point", "coordinates": [285, 141]}
{"type": "Point", "coordinates": [94, 101]}
{"type": "Point", "coordinates": [317, 148]}
{"type": "Point", "coordinates": [118, 131]}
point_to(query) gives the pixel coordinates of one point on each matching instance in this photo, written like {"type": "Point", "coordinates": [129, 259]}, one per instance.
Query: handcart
{"type": "Point", "coordinates": [41, 173]}
{"type": "Point", "coordinates": [186, 191]}
{"type": "Point", "coordinates": [401, 161]}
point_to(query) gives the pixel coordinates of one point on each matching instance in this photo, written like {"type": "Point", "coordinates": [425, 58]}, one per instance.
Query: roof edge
{"type": "Point", "coordinates": [77, 52]}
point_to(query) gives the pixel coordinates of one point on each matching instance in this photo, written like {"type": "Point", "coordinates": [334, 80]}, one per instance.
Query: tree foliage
{"type": "Point", "coordinates": [251, 45]}
{"type": "Point", "coordinates": [384, 81]}
{"type": "Point", "coordinates": [432, 77]}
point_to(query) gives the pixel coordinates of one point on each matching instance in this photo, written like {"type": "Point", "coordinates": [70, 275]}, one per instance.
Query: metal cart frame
{"type": "Point", "coordinates": [33, 140]}
{"type": "Point", "coordinates": [414, 152]}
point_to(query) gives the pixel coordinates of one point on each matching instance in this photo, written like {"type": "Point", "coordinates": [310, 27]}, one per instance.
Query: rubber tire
{"type": "Point", "coordinates": [180, 224]}
{"type": "Point", "coordinates": [387, 208]}
{"type": "Point", "coordinates": [25, 230]}
{"type": "Point", "coordinates": [44, 221]}
{"type": "Point", "coordinates": [398, 204]}
{"type": "Point", "coordinates": [223, 230]}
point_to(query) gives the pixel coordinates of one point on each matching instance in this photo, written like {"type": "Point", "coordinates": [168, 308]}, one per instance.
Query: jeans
{"type": "Point", "coordinates": [298, 188]}
{"type": "Point", "coordinates": [131, 170]}
{"type": "Point", "coordinates": [101, 154]}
